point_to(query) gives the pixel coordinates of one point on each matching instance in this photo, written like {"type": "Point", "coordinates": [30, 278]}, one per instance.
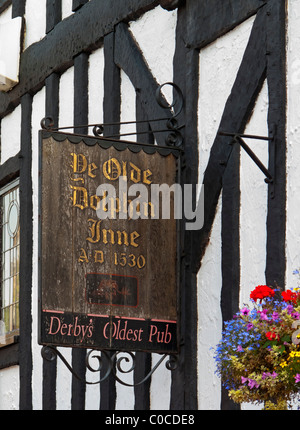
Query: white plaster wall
{"type": "Point", "coordinates": [254, 198]}
{"type": "Point", "coordinates": [209, 281]}
{"type": "Point", "coordinates": [218, 66]}
{"type": "Point", "coordinates": [160, 393]}
{"type": "Point", "coordinates": [155, 34]}
{"type": "Point", "coordinates": [253, 213]}
{"type": "Point", "coordinates": [128, 105]}
{"type": "Point", "coordinates": [96, 87]}
{"type": "Point", "coordinates": [35, 21]}
{"type": "Point", "coordinates": [9, 388]}
{"type": "Point", "coordinates": [293, 143]}
{"type": "Point", "coordinates": [66, 8]}
{"type": "Point", "coordinates": [10, 141]}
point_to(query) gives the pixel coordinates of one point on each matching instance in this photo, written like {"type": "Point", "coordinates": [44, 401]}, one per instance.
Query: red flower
{"type": "Point", "coordinates": [271, 335]}
{"type": "Point", "coordinates": [289, 296]}
{"type": "Point", "coordinates": [260, 292]}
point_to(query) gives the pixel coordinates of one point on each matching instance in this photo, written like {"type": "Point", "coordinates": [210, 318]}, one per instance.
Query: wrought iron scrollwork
{"type": "Point", "coordinates": [174, 137]}
{"type": "Point", "coordinates": [115, 364]}
{"type": "Point", "coordinates": [178, 101]}
{"type": "Point", "coordinates": [47, 123]}
{"type": "Point", "coordinates": [172, 127]}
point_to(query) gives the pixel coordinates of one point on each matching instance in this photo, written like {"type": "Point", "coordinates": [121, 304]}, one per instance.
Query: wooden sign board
{"type": "Point", "coordinates": [105, 283]}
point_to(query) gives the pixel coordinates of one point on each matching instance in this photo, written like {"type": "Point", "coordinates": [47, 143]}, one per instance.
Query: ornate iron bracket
{"type": "Point", "coordinates": [174, 137]}
{"type": "Point", "coordinates": [239, 138]}
{"type": "Point", "coordinates": [109, 364]}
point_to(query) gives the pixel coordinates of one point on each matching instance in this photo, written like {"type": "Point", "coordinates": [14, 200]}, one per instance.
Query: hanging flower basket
{"type": "Point", "coordinates": [258, 357]}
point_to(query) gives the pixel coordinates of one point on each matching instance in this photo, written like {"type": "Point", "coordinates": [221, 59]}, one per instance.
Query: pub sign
{"type": "Point", "coordinates": [108, 260]}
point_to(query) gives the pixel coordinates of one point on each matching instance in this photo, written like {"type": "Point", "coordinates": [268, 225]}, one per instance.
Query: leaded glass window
{"type": "Point", "coordinates": [10, 257]}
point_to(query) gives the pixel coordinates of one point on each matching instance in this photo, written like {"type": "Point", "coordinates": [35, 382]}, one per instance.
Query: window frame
{"type": "Point", "coordinates": [10, 336]}
{"type": "Point", "coordinates": [9, 171]}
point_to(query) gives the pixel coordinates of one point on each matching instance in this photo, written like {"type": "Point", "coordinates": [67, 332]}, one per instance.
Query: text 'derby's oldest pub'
{"type": "Point", "coordinates": [110, 281]}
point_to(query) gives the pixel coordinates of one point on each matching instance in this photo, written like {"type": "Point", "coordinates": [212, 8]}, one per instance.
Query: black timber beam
{"type": "Point", "coordinates": [276, 75]}
{"type": "Point", "coordinates": [77, 4]}
{"type": "Point", "coordinates": [53, 14]}
{"type": "Point", "coordinates": [26, 247]}
{"type": "Point", "coordinates": [213, 18]}
{"type": "Point", "coordinates": [4, 5]}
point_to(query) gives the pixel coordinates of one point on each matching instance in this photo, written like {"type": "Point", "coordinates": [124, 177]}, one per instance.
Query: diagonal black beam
{"type": "Point", "coordinates": [129, 58]}
{"type": "Point", "coordinates": [216, 17]}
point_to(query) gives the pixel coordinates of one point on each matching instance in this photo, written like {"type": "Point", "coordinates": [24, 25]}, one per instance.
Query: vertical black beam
{"type": "Point", "coordinates": [81, 66]}
{"type": "Point", "coordinates": [144, 128]}
{"type": "Point", "coordinates": [77, 4]}
{"type": "Point", "coordinates": [52, 97]}
{"type": "Point", "coordinates": [53, 14]}
{"type": "Point", "coordinates": [18, 8]}
{"type": "Point", "coordinates": [186, 71]}
{"type": "Point", "coordinates": [80, 118]}
{"type": "Point", "coordinates": [111, 112]}
{"type": "Point", "coordinates": [230, 248]}
{"type": "Point", "coordinates": [276, 75]}
{"type": "Point", "coordinates": [112, 90]}
{"type": "Point", "coordinates": [50, 367]}
{"type": "Point", "coordinates": [142, 360]}
{"type": "Point", "coordinates": [231, 236]}
{"type": "Point", "coordinates": [26, 246]}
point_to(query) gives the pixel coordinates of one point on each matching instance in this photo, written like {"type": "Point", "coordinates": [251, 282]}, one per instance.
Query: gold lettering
{"type": "Point", "coordinates": [135, 173]}
{"type": "Point", "coordinates": [91, 168]}
{"type": "Point", "coordinates": [133, 236]}
{"type": "Point", "coordinates": [131, 260]}
{"type": "Point", "coordinates": [104, 236]}
{"type": "Point", "coordinates": [83, 257]}
{"type": "Point", "coordinates": [112, 169]}
{"type": "Point", "coordinates": [95, 231]}
{"type": "Point", "coordinates": [110, 236]}
{"type": "Point", "coordinates": [79, 163]}
{"type": "Point", "coordinates": [146, 174]}
{"type": "Point", "coordinates": [94, 201]}
{"type": "Point", "coordinates": [80, 197]}
{"type": "Point", "coordinates": [125, 238]}
{"type": "Point", "coordinates": [99, 257]}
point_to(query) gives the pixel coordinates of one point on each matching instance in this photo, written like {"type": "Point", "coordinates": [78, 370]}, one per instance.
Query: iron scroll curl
{"type": "Point", "coordinates": [109, 364]}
